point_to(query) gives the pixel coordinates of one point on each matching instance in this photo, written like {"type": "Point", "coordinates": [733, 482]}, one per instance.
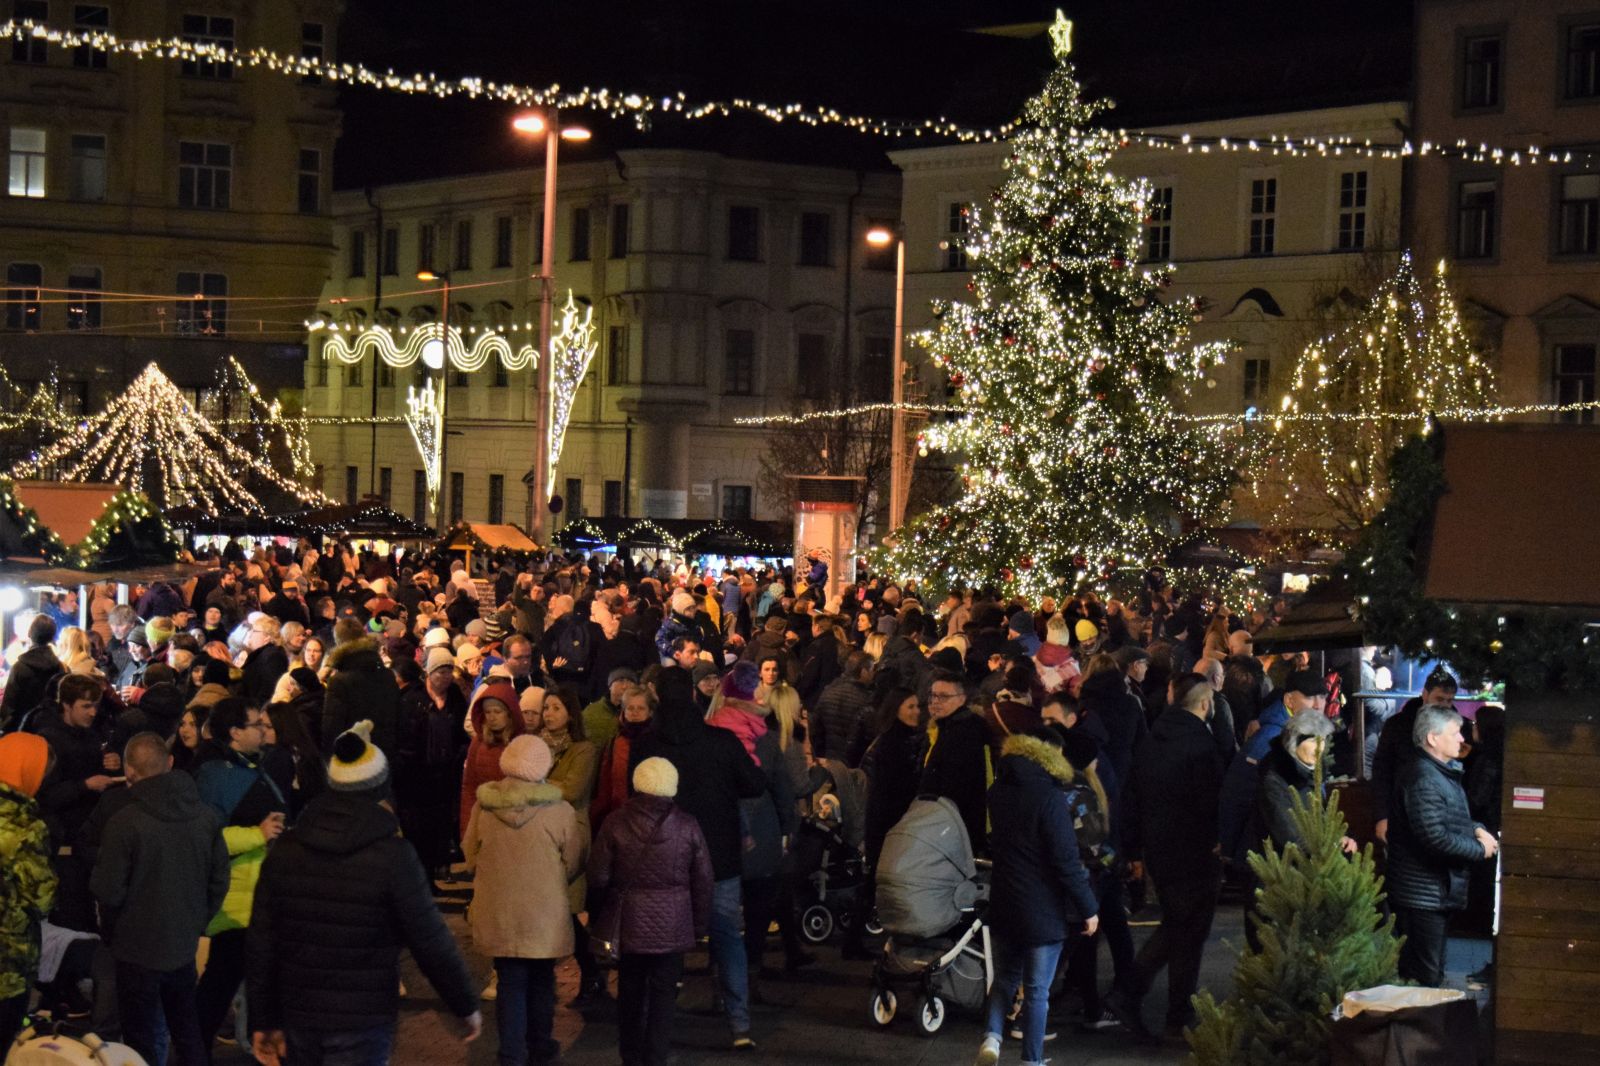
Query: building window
{"type": "Point", "coordinates": [458, 496]}
{"type": "Point", "coordinates": [1158, 225]}
{"type": "Point", "coordinates": [460, 379]}
{"type": "Point", "coordinates": [502, 241]}
{"type": "Point", "coordinates": [427, 245]}
{"type": "Point", "coordinates": [215, 30]}
{"type": "Point", "coordinates": [358, 253]}
{"type": "Point", "coordinates": [616, 355]}
{"type": "Point", "coordinates": [83, 297]}
{"type": "Point", "coordinates": [611, 499]}
{"type": "Point", "coordinates": [1263, 216]}
{"type": "Point", "coordinates": [816, 239]}
{"type": "Point", "coordinates": [386, 485]}
{"type": "Point", "coordinates": [87, 177]}
{"type": "Point", "coordinates": [1480, 72]}
{"type": "Point", "coordinates": [1352, 210]}
{"type": "Point", "coordinates": [619, 231]}
{"type": "Point", "coordinates": [352, 484]}
{"type": "Point", "coordinates": [497, 498]}
{"type": "Point", "coordinates": [22, 295]}
{"type": "Point", "coordinates": [1575, 366]}
{"type": "Point", "coordinates": [1583, 62]}
{"type": "Point", "coordinates": [1580, 214]}
{"type": "Point", "coordinates": [811, 372]}
{"type": "Point", "coordinates": [1475, 220]}
{"type": "Point", "coordinates": [876, 382]}
{"type": "Point", "coordinates": [575, 497]}
{"type": "Point", "coordinates": [309, 189]}
{"type": "Point", "coordinates": [319, 371]}
{"type": "Point", "coordinates": [537, 254]}
{"type": "Point", "coordinates": [463, 247]}
{"type": "Point", "coordinates": [1257, 375]}
{"type": "Point", "coordinates": [27, 162]}
{"type": "Point", "coordinates": [90, 18]}
{"type": "Point", "coordinates": [390, 251]}
{"type": "Point", "coordinates": [580, 235]}
{"type": "Point", "coordinates": [353, 376]}
{"type": "Point", "coordinates": [313, 38]}
{"type": "Point", "coordinates": [383, 374]}
{"type": "Point", "coordinates": [419, 498]}
{"type": "Point", "coordinates": [205, 174]}
{"type": "Point", "coordinates": [29, 49]}
{"type": "Point", "coordinates": [736, 500]}
{"type": "Point", "coordinates": [72, 396]}
{"type": "Point", "coordinates": [744, 233]}
{"type": "Point", "coordinates": [739, 362]}
{"type": "Point", "coordinates": [207, 313]}
{"type": "Point", "coordinates": [957, 220]}
{"type": "Point", "coordinates": [501, 378]}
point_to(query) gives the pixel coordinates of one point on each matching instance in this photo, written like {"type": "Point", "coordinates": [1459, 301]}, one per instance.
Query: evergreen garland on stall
{"type": "Point", "coordinates": [1322, 934]}
{"type": "Point", "coordinates": [1537, 649]}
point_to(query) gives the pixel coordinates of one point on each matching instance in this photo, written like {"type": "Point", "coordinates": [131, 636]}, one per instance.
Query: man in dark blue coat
{"type": "Point", "coordinates": [1040, 890]}
{"type": "Point", "coordinates": [1432, 842]}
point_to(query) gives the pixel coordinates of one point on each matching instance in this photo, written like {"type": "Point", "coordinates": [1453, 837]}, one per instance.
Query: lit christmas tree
{"type": "Point", "coordinates": [1361, 391]}
{"type": "Point", "coordinates": [149, 439]}
{"type": "Point", "coordinates": [1069, 364]}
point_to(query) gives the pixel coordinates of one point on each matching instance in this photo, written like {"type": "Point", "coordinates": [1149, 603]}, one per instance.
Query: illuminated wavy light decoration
{"type": "Point", "coordinates": [428, 344]}
{"type": "Point", "coordinates": [425, 417]}
{"type": "Point", "coordinates": [573, 347]}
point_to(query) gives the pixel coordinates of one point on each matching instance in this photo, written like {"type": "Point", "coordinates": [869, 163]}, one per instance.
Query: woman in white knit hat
{"type": "Point", "coordinates": [523, 843]}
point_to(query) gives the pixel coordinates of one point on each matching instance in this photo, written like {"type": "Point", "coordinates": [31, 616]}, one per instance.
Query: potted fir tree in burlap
{"type": "Point", "coordinates": [1321, 934]}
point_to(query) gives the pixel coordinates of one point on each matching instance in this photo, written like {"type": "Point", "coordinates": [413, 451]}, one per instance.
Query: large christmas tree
{"type": "Point", "coordinates": [1068, 360]}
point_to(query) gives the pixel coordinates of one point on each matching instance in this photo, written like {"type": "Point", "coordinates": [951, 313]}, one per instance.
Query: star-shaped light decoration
{"type": "Point", "coordinates": [1061, 35]}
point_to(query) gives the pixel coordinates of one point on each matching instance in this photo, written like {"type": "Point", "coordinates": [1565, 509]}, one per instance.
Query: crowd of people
{"type": "Point", "coordinates": [291, 755]}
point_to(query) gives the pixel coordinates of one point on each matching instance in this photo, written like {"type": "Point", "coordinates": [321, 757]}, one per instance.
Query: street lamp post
{"type": "Point", "coordinates": [547, 123]}
{"type": "Point", "coordinates": [444, 387]}
{"type": "Point", "coordinates": [880, 236]}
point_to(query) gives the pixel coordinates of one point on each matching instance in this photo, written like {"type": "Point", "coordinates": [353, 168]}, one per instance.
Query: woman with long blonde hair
{"type": "Point", "coordinates": [72, 648]}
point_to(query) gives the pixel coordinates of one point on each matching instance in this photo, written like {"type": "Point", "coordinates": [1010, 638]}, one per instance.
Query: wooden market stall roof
{"type": "Point", "coordinates": [1519, 523]}
{"type": "Point", "coordinates": [487, 536]}
{"type": "Point", "coordinates": [68, 507]}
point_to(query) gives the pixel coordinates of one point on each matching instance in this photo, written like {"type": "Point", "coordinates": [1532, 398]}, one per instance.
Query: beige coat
{"type": "Point", "coordinates": [524, 845]}
{"type": "Point", "coordinates": [575, 774]}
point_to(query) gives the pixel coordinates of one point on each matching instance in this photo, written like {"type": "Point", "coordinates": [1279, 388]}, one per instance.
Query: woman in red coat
{"type": "Point", "coordinates": [495, 720]}
{"type": "Point", "coordinates": [611, 791]}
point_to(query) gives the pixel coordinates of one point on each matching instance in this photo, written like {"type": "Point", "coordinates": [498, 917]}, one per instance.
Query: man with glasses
{"type": "Point", "coordinates": [251, 805]}
{"type": "Point", "coordinates": [1396, 751]}
{"type": "Point", "coordinates": [957, 760]}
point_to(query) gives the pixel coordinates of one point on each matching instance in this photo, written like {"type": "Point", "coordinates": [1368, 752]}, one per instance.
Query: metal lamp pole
{"type": "Point", "coordinates": [880, 236]}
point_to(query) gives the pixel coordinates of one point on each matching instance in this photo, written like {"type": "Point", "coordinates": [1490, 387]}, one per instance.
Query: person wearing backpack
{"type": "Point", "coordinates": [569, 643]}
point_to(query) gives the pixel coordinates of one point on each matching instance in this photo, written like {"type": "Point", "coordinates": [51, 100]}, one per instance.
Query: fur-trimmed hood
{"type": "Point", "coordinates": [1047, 758]}
{"type": "Point", "coordinates": [342, 653]}
{"type": "Point", "coordinates": [514, 802]}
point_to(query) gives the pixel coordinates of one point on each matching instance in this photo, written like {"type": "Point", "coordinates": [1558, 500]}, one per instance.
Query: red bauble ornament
{"type": "Point", "coordinates": [1005, 429]}
{"type": "Point", "coordinates": [1006, 574]}
{"type": "Point", "coordinates": [1079, 561]}
{"type": "Point", "coordinates": [1026, 264]}
{"type": "Point", "coordinates": [1026, 562]}
{"type": "Point", "coordinates": [1096, 365]}
{"type": "Point", "coordinates": [1118, 263]}
{"type": "Point", "coordinates": [958, 379]}
{"type": "Point", "coordinates": [1009, 340]}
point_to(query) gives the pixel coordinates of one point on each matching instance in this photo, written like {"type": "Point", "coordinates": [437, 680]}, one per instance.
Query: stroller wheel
{"type": "Point", "coordinates": [883, 1005]}
{"type": "Point", "coordinates": [816, 924]}
{"type": "Point", "coordinates": [930, 1015]}
{"type": "Point", "coordinates": [873, 926]}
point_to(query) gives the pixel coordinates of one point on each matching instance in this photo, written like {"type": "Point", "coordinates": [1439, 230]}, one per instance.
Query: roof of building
{"type": "Point", "coordinates": [974, 61]}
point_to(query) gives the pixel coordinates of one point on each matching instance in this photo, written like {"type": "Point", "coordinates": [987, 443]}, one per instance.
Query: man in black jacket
{"type": "Point", "coordinates": [1170, 828]}
{"type": "Point", "coordinates": [841, 720]}
{"type": "Point", "coordinates": [340, 894]}
{"type": "Point", "coordinates": [1432, 842]}
{"type": "Point", "coordinates": [361, 688]}
{"type": "Point", "coordinates": [1396, 749]}
{"type": "Point", "coordinates": [160, 874]}
{"type": "Point", "coordinates": [31, 674]}
{"type": "Point", "coordinates": [957, 762]}
{"type": "Point", "coordinates": [820, 662]}
{"type": "Point", "coordinates": [714, 774]}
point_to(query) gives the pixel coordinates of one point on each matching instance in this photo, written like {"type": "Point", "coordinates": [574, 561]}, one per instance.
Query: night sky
{"type": "Point", "coordinates": [1163, 61]}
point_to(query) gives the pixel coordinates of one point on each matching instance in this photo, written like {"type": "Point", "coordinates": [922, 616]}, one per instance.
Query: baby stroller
{"type": "Point", "coordinates": [931, 897]}
{"type": "Point", "coordinates": [829, 871]}
{"type": "Point", "coordinates": [49, 1044]}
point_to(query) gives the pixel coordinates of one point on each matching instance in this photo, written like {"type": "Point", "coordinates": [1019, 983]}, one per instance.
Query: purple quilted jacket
{"type": "Point", "coordinates": [651, 861]}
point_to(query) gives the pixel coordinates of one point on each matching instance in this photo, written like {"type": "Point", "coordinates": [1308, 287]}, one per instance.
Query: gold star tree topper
{"type": "Point", "coordinates": [1061, 35]}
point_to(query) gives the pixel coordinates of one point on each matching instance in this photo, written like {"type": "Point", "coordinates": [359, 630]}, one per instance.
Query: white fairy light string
{"type": "Point", "coordinates": [425, 418]}
{"type": "Point", "coordinates": [574, 348]}
{"type": "Point", "coordinates": [421, 343]}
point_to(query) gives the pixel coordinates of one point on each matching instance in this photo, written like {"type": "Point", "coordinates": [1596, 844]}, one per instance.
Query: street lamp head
{"type": "Point", "coordinates": [880, 236]}
{"type": "Point", "coordinates": [575, 133]}
{"type": "Point", "coordinates": [532, 122]}
{"type": "Point", "coordinates": [427, 275]}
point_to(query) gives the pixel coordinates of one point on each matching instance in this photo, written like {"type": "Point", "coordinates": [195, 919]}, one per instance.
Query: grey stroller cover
{"type": "Point", "coordinates": [926, 876]}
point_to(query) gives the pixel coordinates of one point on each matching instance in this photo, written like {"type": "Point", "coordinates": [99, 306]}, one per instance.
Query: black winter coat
{"type": "Point", "coordinates": [340, 894]}
{"type": "Point", "coordinates": [1431, 838]}
{"type": "Point", "coordinates": [902, 666]}
{"type": "Point", "coordinates": [1282, 778]}
{"type": "Point", "coordinates": [361, 688]}
{"type": "Point", "coordinates": [820, 665]}
{"type": "Point", "coordinates": [64, 800]}
{"type": "Point", "coordinates": [1115, 717]}
{"type": "Point", "coordinates": [162, 863]}
{"type": "Point", "coordinates": [26, 684]}
{"type": "Point", "coordinates": [1396, 752]}
{"type": "Point", "coordinates": [958, 767]}
{"type": "Point", "coordinates": [841, 722]}
{"type": "Point", "coordinates": [714, 774]}
{"type": "Point", "coordinates": [651, 861]}
{"type": "Point", "coordinates": [1040, 890]}
{"type": "Point", "coordinates": [262, 668]}
{"type": "Point", "coordinates": [892, 780]}
{"type": "Point", "coordinates": [1170, 799]}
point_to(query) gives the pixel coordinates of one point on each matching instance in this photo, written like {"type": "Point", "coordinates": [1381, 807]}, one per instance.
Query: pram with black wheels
{"type": "Point", "coordinates": [829, 870]}
{"type": "Point", "coordinates": [931, 900]}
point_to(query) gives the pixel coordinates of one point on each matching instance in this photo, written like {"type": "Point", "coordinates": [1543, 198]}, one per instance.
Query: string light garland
{"type": "Point", "coordinates": [152, 426]}
{"type": "Point", "coordinates": [126, 510]}
{"type": "Point", "coordinates": [641, 108]}
{"type": "Point", "coordinates": [425, 418]}
{"type": "Point", "coordinates": [717, 527]}
{"type": "Point", "coordinates": [847, 412]}
{"type": "Point", "coordinates": [1071, 462]}
{"type": "Point", "coordinates": [431, 344]}
{"type": "Point", "coordinates": [573, 349]}
{"type": "Point", "coordinates": [265, 419]}
{"type": "Point", "coordinates": [40, 537]}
